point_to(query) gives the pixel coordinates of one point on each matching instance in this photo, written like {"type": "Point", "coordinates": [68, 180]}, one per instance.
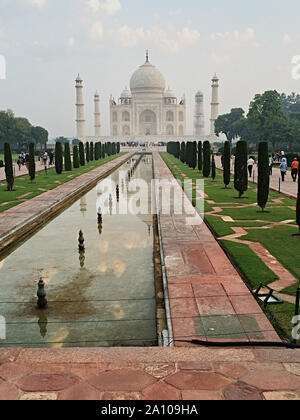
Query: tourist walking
{"type": "Point", "coordinates": [19, 162]}
{"type": "Point", "coordinates": [250, 164]}
{"type": "Point", "coordinates": [271, 161]}
{"type": "Point", "coordinates": [45, 158]}
{"type": "Point", "coordinates": [295, 169]}
{"type": "Point", "coordinates": [283, 168]}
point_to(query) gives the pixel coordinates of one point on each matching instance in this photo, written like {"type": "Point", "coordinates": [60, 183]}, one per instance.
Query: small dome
{"type": "Point", "coordinates": [147, 77]}
{"type": "Point", "coordinates": [126, 94]}
{"type": "Point", "coordinates": [79, 79]}
{"type": "Point", "coordinates": [215, 78]}
{"type": "Point", "coordinates": [169, 93]}
{"type": "Point", "coordinates": [199, 94]}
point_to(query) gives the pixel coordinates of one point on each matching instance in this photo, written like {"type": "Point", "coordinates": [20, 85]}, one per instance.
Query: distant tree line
{"type": "Point", "coordinates": [19, 133]}
{"type": "Point", "coordinates": [272, 117]}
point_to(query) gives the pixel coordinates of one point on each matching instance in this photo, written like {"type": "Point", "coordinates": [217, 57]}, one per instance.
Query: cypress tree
{"type": "Point", "coordinates": [118, 148]}
{"type": "Point", "coordinates": [9, 172]}
{"type": "Point", "coordinates": [68, 162]}
{"type": "Point", "coordinates": [103, 151]}
{"type": "Point", "coordinates": [206, 159]}
{"type": "Point", "coordinates": [298, 204]}
{"type": "Point", "coordinates": [182, 152]}
{"type": "Point", "coordinates": [213, 167]}
{"type": "Point", "coordinates": [75, 157]}
{"type": "Point", "coordinates": [194, 155]}
{"type": "Point", "coordinates": [189, 154]}
{"type": "Point", "coordinates": [240, 168]}
{"type": "Point", "coordinates": [92, 151]}
{"type": "Point", "coordinates": [226, 164]}
{"type": "Point", "coordinates": [263, 183]}
{"type": "Point", "coordinates": [200, 156]}
{"type": "Point", "coordinates": [87, 152]}
{"type": "Point", "coordinates": [31, 162]}
{"type": "Point", "coordinates": [58, 158]}
{"type": "Point", "coordinates": [97, 151]}
{"type": "Point", "coordinates": [81, 154]}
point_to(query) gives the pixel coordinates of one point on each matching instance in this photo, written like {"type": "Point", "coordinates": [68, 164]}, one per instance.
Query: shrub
{"type": "Point", "coordinates": [92, 152]}
{"type": "Point", "coordinates": [9, 172]}
{"type": "Point", "coordinates": [263, 183]}
{"type": "Point", "coordinates": [240, 168]}
{"type": "Point", "coordinates": [206, 159]}
{"type": "Point", "coordinates": [75, 157]}
{"type": "Point", "coordinates": [226, 163]}
{"type": "Point", "coordinates": [200, 156]}
{"type": "Point", "coordinates": [87, 152]}
{"type": "Point", "coordinates": [58, 158]}
{"type": "Point", "coordinates": [213, 167]}
{"type": "Point", "coordinates": [81, 154]}
{"type": "Point", "coordinates": [182, 152]}
{"type": "Point", "coordinates": [68, 162]}
{"type": "Point", "coordinates": [31, 162]}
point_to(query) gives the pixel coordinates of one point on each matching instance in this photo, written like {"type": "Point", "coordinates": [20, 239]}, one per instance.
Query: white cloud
{"type": "Point", "coordinates": [236, 37]}
{"type": "Point", "coordinates": [129, 37]}
{"type": "Point", "coordinates": [36, 3]}
{"type": "Point", "coordinates": [71, 42]}
{"type": "Point", "coordinates": [189, 36]}
{"type": "Point", "coordinates": [109, 7]}
{"type": "Point", "coordinates": [287, 39]}
{"type": "Point", "coordinates": [96, 31]}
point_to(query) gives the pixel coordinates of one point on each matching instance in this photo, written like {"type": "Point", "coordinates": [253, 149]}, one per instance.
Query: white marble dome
{"type": "Point", "coordinates": [148, 78]}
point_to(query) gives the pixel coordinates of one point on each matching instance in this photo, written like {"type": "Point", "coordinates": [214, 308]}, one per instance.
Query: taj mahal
{"type": "Point", "coordinates": [148, 111]}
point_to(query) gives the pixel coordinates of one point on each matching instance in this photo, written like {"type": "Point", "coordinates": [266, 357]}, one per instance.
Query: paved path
{"type": "Point", "coordinates": [22, 172]}
{"type": "Point", "coordinates": [289, 187]}
{"type": "Point", "coordinates": [149, 374]}
{"type": "Point", "coordinates": [208, 298]}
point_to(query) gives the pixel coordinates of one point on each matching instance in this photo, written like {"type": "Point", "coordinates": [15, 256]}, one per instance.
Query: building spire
{"type": "Point", "coordinates": [147, 56]}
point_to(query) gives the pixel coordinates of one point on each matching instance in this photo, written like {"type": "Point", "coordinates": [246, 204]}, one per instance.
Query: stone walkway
{"type": "Point", "coordinates": [288, 188]}
{"type": "Point", "coordinates": [15, 218]}
{"type": "Point", "coordinates": [150, 374]}
{"type": "Point", "coordinates": [208, 298]}
{"type": "Point", "coordinates": [22, 172]}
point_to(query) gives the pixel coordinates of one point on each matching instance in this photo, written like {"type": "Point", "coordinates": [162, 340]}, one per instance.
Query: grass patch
{"type": "Point", "coordinates": [283, 246]}
{"type": "Point", "coordinates": [251, 265]}
{"type": "Point", "coordinates": [25, 189]}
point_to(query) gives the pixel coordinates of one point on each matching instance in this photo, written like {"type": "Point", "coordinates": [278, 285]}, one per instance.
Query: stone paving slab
{"type": "Point", "coordinates": [208, 298]}
{"type": "Point", "coordinates": [149, 374]}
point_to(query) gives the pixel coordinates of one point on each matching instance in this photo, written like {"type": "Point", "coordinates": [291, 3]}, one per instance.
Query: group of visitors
{"type": "Point", "coordinates": [23, 160]}
{"type": "Point", "coordinates": [283, 166]}
{"type": "Point", "coordinates": [45, 156]}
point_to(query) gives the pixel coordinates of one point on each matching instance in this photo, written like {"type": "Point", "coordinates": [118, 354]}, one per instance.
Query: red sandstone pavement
{"type": "Point", "coordinates": [149, 374]}
{"type": "Point", "coordinates": [17, 216]}
{"type": "Point", "coordinates": [208, 298]}
{"type": "Point", "coordinates": [288, 188]}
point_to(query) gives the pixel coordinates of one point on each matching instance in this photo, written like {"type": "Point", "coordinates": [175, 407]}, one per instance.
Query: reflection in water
{"type": "Point", "coordinates": [43, 322]}
{"type": "Point", "coordinates": [108, 301]}
{"type": "Point", "coordinates": [83, 205]}
{"type": "Point", "coordinates": [82, 258]}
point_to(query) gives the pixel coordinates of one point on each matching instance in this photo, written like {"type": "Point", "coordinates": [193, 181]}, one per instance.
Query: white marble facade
{"type": "Point", "coordinates": [148, 108]}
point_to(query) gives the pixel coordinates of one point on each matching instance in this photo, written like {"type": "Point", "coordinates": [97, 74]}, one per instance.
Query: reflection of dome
{"type": "Point", "coordinates": [126, 94]}
{"type": "Point", "coordinates": [147, 77]}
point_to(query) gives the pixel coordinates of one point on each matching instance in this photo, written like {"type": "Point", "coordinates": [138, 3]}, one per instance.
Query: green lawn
{"type": "Point", "coordinates": [279, 240]}
{"type": "Point", "coordinates": [24, 189]}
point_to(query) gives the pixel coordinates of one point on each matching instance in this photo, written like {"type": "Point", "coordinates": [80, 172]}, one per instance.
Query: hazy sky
{"type": "Point", "coordinates": [46, 43]}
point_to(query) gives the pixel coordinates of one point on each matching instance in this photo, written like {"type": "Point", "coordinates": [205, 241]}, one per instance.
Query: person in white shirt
{"type": "Point", "coordinates": [250, 166]}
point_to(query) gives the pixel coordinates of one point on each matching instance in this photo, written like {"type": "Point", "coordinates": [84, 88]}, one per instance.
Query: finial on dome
{"type": "Point", "coordinates": [147, 56]}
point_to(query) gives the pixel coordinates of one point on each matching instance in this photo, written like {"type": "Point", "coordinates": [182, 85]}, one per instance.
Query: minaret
{"type": "Point", "coordinates": [199, 115]}
{"type": "Point", "coordinates": [214, 104]}
{"type": "Point", "coordinates": [80, 120]}
{"type": "Point", "coordinates": [97, 115]}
